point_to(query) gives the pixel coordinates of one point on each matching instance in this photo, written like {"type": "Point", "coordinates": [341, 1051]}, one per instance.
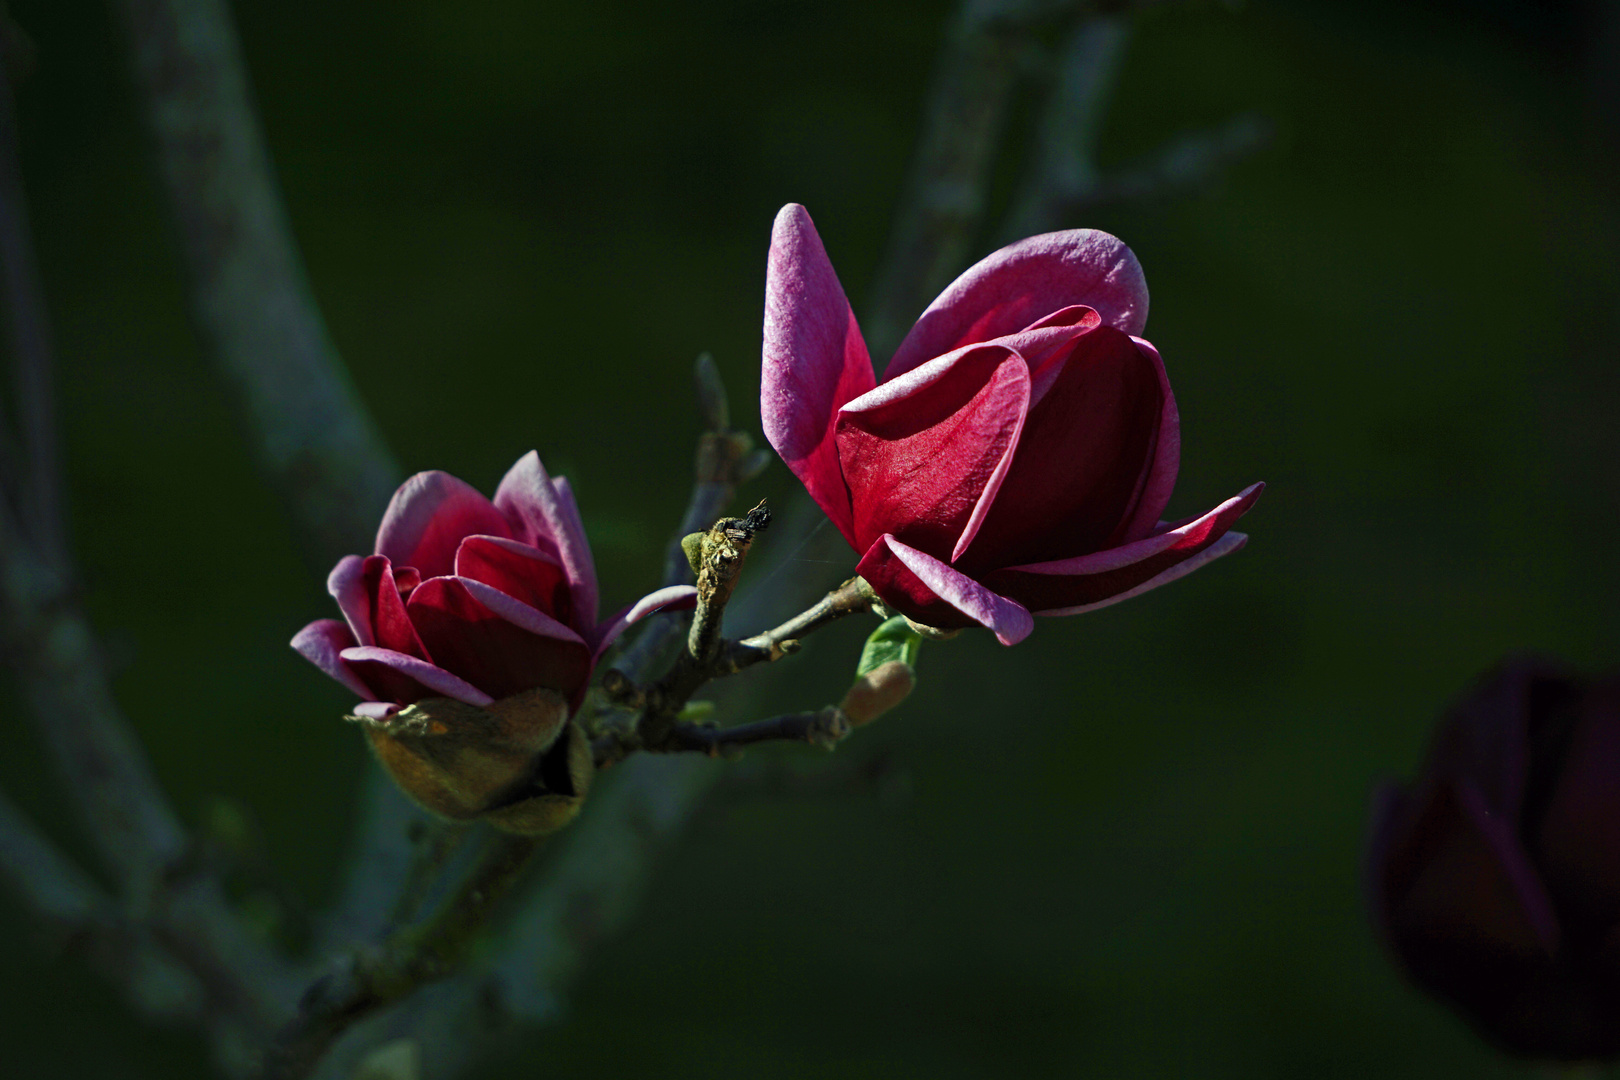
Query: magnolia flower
{"type": "Point", "coordinates": [1495, 878]}
{"type": "Point", "coordinates": [470, 637]}
{"type": "Point", "coordinates": [1020, 448]}
{"type": "Point", "coordinates": [471, 599]}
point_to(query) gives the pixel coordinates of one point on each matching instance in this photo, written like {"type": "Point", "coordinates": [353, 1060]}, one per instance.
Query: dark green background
{"type": "Point", "coordinates": [1130, 846]}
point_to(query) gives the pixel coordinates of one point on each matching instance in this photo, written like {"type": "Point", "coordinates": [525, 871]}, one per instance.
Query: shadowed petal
{"type": "Point", "coordinates": [582, 565]}
{"type": "Point", "coordinates": [1023, 282]}
{"type": "Point", "coordinates": [925, 454]}
{"type": "Point", "coordinates": [347, 585]}
{"type": "Point", "coordinates": [1083, 458]}
{"type": "Point", "coordinates": [673, 598]}
{"type": "Point", "coordinates": [1070, 586]}
{"type": "Point", "coordinates": [1456, 878]}
{"type": "Point", "coordinates": [1577, 843]}
{"type": "Point", "coordinates": [427, 518]}
{"type": "Point", "coordinates": [390, 626]}
{"type": "Point", "coordinates": [1165, 461]}
{"type": "Point", "coordinates": [814, 357]}
{"type": "Point", "coordinates": [930, 592]}
{"type": "Point", "coordinates": [520, 571]}
{"type": "Point", "coordinates": [501, 645]}
{"type": "Point", "coordinates": [543, 513]}
{"type": "Point", "coordinates": [321, 642]}
{"type": "Point", "coordinates": [404, 679]}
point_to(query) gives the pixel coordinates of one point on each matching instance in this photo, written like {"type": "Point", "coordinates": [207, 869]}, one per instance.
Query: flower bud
{"type": "Point", "coordinates": [1495, 879]}
{"type": "Point", "coordinates": [518, 763]}
{"type": "Point", "coordinates": [878, 691]}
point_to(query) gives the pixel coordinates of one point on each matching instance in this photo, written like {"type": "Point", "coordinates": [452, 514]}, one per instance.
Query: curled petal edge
{"type": "Point", "coordinates": [434, 678]}
{"type": "Point", "coordinates": [1009, 620]}
{"type": "Point", "coordinates": [322, 643]}
{"type": "Point", "coordinates": [1227, 544]}
{"type": "Point", "coordinates": [673, 598]}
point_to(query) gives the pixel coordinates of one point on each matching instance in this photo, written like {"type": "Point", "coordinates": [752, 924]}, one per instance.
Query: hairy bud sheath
{"type": "Point", "coordinates": [519, 763]}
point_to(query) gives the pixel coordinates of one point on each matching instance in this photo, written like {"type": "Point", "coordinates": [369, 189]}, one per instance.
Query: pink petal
{"type": "Point", "coordinates": [404, 679]}
{"type": "Point", "coordinates": [815, 360]}
{"type": "Point", "coordinates": [427, 518]}
{"type": "Point", "coordinates": [390, 625]}
{"type": "Point", "coordinates": [502, 645]}
{"type": "Point", "coordinates": [522, 572]}
{"type": "Point", "coordinates": [375, 710]}
{"type": "Point", "coordinates": [924, 455]}
{"type": "Point", "coordinates": [930, 592]}
{"type": "Point", "coordinates": [1024, 282]}
{"type": "Point", "coordinates": [542, 511]}
{"type": "Point", "coordinates": [1166, 460]}
{"type": "Point", "coordinates": [1070, 586]}
{"type": "Point", "coordinates": [347, 585]}
{"type": "Point", "coordinates": [1082, 460]}
{"type": "Point", "coordinates": [578, 549]}
{"type": "Point", "coordinates": [673, 598]}
{"type": "Point", "coordinates": [1232, 541]}
{"type": "Point", "coordinates": [321, 642]}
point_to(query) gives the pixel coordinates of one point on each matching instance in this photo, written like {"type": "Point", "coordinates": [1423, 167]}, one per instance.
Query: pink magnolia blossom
{"type": "Point", "coordinates": [1018, 452]}
{"type": "Point", "coordinates": [471, 599]}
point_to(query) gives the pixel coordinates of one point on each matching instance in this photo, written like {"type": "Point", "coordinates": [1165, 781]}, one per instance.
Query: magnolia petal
{"type": "Point", "coordinates": [321, 643]}
{"type": "Point", "coordinates": [1082, 458]}
{"type": "Point", "coordinates": [814, 360]}
{"type": "Point", "coordinates": [930, 592]}
{"type": "Point", "coordinates": [390, 625]}
{"type": "Point", "coordinates": [1069, 586]}
{"type": "Point", "coordinates": [500, 644]}
{"type": "Point", "coordinates": [1165, 461]}
{"type": "Point", "coordinates": [1022, 283]}
{"type": "Point", "coordinates": [1043, 345]}
{"type": "Point", "coordinates": [405, 679]}
{"type": "Point", "coordinates": [673, 598]}
{"type": "Point", "coordinates": [543, 512]}
{"type": "Point", "coordinates": [578, 548]}
{"type": "Point", "coordinates": [1232, 541]}
{"type": "Point", "coordinates": [924, 455]}
{"type": "Point", "coordinates": [1457, 877]}
{"type": "Point", "coordinates": [347, 585]}
{"type": "Point", "coordinates": [521, 571]}
{"type": "Point", "coordinates": [427, 518]}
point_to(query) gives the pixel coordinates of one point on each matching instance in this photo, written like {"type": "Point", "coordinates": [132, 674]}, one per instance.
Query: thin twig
{"type": "Point", "coordinates": [824, 728]}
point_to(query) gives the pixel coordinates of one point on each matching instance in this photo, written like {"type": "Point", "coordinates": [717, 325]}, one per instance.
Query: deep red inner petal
{"type": "Point", "coordinates": [1081, 460]}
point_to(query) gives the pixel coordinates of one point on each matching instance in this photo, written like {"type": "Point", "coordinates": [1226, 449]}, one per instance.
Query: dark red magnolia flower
{"type": "Point", "coordinates": [471, 599]}
{"type": "Point", "coordinates": [1020, 448]}
{"type": "Point", "coordinates": [1495, 879]}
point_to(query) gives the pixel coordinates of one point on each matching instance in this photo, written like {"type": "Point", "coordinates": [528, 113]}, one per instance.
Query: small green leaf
{"type": "Point", "coordinates": [894, 640]}
{"type": "Point", "coordinates": [695, 712]}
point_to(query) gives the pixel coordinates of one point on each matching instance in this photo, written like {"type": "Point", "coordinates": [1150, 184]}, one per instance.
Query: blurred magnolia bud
{"type": "Point", "coordinates": [518, 763]}
{"type": "Point", "coordinates": [1495, 878]}
{"type": "Point", "coordinates": [878, 691]}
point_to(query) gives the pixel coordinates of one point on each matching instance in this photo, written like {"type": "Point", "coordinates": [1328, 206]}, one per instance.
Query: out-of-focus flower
{"type": "Point", "coordinates": [1018, 453]}
{"type": "Point", "coordinates": [1495, 878]}
{"type": "Point", "coordinates": [471, 603]}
